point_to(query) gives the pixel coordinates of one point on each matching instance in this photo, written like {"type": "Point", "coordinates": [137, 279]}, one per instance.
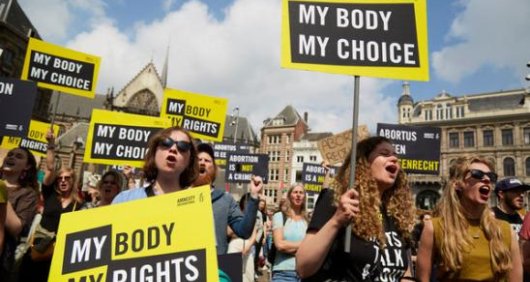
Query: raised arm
{"type": "Point", "coordinates": [49, 172]}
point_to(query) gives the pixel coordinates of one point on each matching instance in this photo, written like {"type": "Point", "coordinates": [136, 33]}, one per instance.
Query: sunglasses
{"type": "Point", "coordinates": [65, 178]}
{"type": "Point", "coordinates": [479, 174]}
{"type": "Point", "coordinates": [182, 146]}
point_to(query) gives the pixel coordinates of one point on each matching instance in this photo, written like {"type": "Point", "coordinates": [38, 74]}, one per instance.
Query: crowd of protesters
{"type": "Point", "coordinates": [462, 239]}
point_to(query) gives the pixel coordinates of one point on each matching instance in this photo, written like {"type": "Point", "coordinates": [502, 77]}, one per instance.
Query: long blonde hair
{"type": "Point", "coordinates": [397, 200]}
{"type": "Point", "coordinates": [456, 240]}
{"type": "Point", "coordinates": [74, 194]}
{"type": "Point", "coordinates": [289, 210]}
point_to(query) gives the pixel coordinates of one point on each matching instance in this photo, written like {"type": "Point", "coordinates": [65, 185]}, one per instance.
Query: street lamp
{"type": "Point", "coordinates": [235, 121]}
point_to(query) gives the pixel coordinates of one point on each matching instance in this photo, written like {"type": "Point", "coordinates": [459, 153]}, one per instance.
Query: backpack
{"type": "Point", "coordinates": [271, 255]}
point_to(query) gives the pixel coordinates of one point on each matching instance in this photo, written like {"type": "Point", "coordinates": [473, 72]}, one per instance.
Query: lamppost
{"type": "Point", "coordinates": [235, 122]}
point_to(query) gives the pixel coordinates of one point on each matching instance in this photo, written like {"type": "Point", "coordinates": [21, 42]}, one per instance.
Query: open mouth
{"type": "Point", "coordinates": [171, 159]}
{"type": "Point", "coordinates": [484, 190]}
{"type": "Point", "coordinates": [202, 169]}
{"type": "Point", "coordinates": [391, 168]}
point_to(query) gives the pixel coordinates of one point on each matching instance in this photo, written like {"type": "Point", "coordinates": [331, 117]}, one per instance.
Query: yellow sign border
{"type": "Point", "coordinates": [119, 119]}
{"type": "Point", "coordinates": [56, 50]}
{"type": "Point", "coordinates": [402, 73]}
{"type": "Point", "coordinates": [189, 232]}
{"type": "Point", "coordinates": [218, 105]}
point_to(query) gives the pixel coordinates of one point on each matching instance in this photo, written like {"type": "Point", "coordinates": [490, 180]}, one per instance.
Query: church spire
{"type": "Point", "coordinates": [406, 88]}
{"type": "Point", "coordinates": [164, 69]}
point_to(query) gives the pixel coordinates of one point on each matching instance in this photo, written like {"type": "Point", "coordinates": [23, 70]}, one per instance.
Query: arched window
{"type": "Point", "coordinates": [508, 165]}
{"type": "Point", "coordinates": [527, 165]}
{"type": "Point", "coordinates": [427, 199]}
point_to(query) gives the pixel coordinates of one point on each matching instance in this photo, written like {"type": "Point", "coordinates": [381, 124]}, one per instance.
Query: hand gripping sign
{"type": "Point", "coordinates": [118, 138]}
{"type": "Point", "coordinates": [58, 68]}
{"type": "Point", "coordinates": [164, 238]}
{"type": "Point", "coordinates": [203, 116]}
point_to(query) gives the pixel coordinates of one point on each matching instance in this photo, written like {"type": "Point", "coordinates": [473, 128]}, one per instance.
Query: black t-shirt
{"type": "Point", "coordinates": [515, 220]}
{"type": "Point", "coordinates": [365, 262]}
{"type": "Point", "coordinates": [53, 208]}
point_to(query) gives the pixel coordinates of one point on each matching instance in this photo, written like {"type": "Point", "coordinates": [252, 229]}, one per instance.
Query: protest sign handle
{"type": "Point", "coordinates": [347, 237]}
{"type": "Point", "coordinates": [55, 109]}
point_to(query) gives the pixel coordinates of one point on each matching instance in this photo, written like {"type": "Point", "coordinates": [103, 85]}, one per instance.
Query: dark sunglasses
{"type": "Point", "coordinates": [65, 178]}
{"type": "Point", "coordinates": [182, 146]}
{"type": "Point", "coordinates": [479, 174]}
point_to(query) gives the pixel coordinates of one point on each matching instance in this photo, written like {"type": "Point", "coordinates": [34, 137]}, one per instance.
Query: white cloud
{"type": "Point", "coordinates": [490, 34]}
{"type": "Point", "coordinates": [166, 4]}
{"type": "Point", "coordinates": [237, 58]}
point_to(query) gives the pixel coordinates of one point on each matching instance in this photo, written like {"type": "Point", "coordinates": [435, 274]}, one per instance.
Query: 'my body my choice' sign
{"type": "Point", "coordinates": [119, 138]}
{"type": "Point", "coordinates": [371, 38]}
{"type": "Point", "coordinates": [61, 69]}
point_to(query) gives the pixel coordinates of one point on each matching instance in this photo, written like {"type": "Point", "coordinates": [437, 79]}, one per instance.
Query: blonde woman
{"type": "Point", "coordinates": [381, 212]}
{"type": "Point", "coordinates": [465, 242]}
{"type": "Point", "coordinates": [288, 229]}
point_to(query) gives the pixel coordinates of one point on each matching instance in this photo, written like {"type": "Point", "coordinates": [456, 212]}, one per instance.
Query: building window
{"type": "Point", "coordinates": [453, 140]}
{"type": "Point", "coordinates": [526, 135]}
{"type": "Point", "coordinates": [527, 165]}
{"type": "Point", "coordinates": [286, 156]}
{"type": "Point", "coordinates": [488, 138]}
{"type": "Point", "coordinates": [273, 175]}
{"type": "Point", "coordinates": [312, 158]}
{"type": "Point", "coordinates": [469, 139]}
{"type": "Point", "coordinates": [509, 167]}
{"type": "Point", "coordinates": [298, 176]}
{"type": "Point", "coordinates": [439, 112]}
{"type": "Point", "coordinates": [274, 139]}
{"type": "Point", "coordinates": [449, 112]}
{"type": "Point", "coordinates": [299, 159]}
{"type": "Point", "coordinates": [286, 176]}
{"type": "Point", "coordinates": [507, 137]}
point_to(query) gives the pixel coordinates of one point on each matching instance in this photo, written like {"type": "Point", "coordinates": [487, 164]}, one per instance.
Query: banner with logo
{"type": "Point", "coordinates": [17, 98]}
{"type": "Point", "coordinates": [313, 176]}
{"type": "Point", "coordinates": [221, 151]}
{"type": "Point", "coordinates": [241, 167]}
{"type": "Point", "coordinates": [35, 141]}
{"type": "Point", "coordinates": [418, 147]}
{"type": "Point", "coordinates": [164, 238]}
{"type": "Point", "coordinates": [203, 116]}
{"type": "Point", "coordinates": [375, 38]}
{"type": "Point", "coordinates": [116, 138]}
{"type": "Point", "coordinates": [58, 68]}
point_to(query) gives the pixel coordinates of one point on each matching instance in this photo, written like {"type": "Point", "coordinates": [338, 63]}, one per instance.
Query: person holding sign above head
{"type": "Point", "coordinates": [226, 211]}
{"type": "Point", "coordinates": [381, 212]}
{"type": "Point", "coordinates": [170, 165]}
{"type": "Point", "coordinates": [19, 171]}
{"type": "Point", "coordinates": [60, 194]}
{"type": "Point", "coordinates": [464, 241]}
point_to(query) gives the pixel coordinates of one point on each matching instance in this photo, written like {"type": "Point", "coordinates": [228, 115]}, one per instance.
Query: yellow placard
{"type": "Point", "coordinates": [116, 138]}
{"type": "Point", "coordinates": [203, 116]}
{"type": "Point", "coordinates": [58, 68]}
{"type": "Point", "coordinates": [164, 238]}
{"type": "Point", "coordinates": [376, 38]}
{"type": "Point", "coordinates": [35, 141]}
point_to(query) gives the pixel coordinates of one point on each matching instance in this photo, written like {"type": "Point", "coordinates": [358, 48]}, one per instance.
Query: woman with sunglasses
{"type": "Point", "coordinates": [381, 212]}
{"type": "Point", "coordinates": [60, 195]}
{"type": "Point", "coordinates": [19, 172]}
{"type": "Point", "coordinates": [465, 242]}
{"type": "Point", "coordinates": [170, 165]}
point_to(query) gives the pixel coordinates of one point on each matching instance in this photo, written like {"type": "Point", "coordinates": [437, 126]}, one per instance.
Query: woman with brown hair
{"type": "Point", "coordinates": [170, 165]}
{"type": "Point", "coordinates": [60, 195]}
{"type": "Point", "coordinates": [381, 212]}
{"type": "Point", "coordinates": [19, 171]}
{"type": "Point", "coordinates": [465, 241]}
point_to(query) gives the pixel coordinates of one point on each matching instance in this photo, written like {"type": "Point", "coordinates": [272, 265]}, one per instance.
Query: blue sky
{"type": "Point", "coordinates": [231, 48]}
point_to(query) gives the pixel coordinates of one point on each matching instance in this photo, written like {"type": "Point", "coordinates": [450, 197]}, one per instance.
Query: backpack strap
{"type": "Point", "coordinates": [149, 191]}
